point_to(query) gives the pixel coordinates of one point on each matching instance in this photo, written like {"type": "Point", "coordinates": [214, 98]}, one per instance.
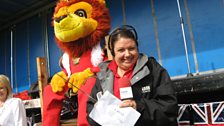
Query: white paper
{"type": "Point", "coordinates": [107, 112]}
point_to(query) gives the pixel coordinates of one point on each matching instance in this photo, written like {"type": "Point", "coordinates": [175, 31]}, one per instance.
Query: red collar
{"type": "Point", "coordinates": [113, 67]}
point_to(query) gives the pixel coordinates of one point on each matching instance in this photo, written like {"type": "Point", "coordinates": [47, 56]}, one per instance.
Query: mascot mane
{"type": "Point", "coordinates": [100, 14]}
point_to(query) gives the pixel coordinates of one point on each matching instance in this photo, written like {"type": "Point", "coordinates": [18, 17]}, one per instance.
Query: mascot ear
{"type": "Point", "coordinates": [64, 0]}
{"type": "Point", "coordinates": [102, 2]}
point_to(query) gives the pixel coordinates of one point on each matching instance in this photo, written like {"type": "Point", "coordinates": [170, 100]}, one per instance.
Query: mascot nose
{"type": "Point", "coordinates": [58, 19]}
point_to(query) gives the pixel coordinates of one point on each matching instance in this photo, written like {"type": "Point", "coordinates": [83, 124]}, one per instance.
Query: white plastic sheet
{"type": "Point", "coordinates": [107, 112]}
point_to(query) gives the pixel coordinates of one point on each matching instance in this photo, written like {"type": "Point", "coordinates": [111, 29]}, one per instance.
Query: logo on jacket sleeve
{"type": "Point", "coordinates": [146, 89]}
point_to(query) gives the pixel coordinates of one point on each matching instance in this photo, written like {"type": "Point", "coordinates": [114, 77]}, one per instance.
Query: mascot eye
{"type": "Point", "coordinates": [81, 13]}
{"type": "Point", "coordinates": [58, 19]}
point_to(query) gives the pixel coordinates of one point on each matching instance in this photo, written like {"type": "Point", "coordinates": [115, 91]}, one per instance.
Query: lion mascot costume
{"type": "Point", "coordinates": [79, 26]}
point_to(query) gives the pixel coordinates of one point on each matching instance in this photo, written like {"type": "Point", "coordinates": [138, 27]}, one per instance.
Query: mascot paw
{"type": "Point", "coordinates": [58, 81]}
{"type": "Point", "coordinates": [78, 79]}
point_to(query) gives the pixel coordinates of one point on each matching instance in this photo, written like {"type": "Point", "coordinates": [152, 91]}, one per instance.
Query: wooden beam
{"type": "Point", "coordinates": [42, 78]}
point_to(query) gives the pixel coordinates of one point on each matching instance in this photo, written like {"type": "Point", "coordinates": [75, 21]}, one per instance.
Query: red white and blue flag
{"type": "Point", "coordinates": [202, 114]}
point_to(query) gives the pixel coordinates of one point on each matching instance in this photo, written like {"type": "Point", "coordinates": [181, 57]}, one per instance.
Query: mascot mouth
{"type": "Point", "coordinates": [73, 27]}
{"type": "Point", "coordinates": [67, 24]}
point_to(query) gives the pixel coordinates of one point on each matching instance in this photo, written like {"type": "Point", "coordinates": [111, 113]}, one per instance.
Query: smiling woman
{"type": "Point", "coordinates": [3, 95]}
{"type": "Point", "coordinates": [5, 89]}
{"type": "Point", "coordinates": [151, 88]}
{"type": "Point", "coordinates": [12, 111]}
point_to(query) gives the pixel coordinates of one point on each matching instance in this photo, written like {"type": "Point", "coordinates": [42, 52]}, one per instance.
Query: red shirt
{"type": "Point", "coordinates": [113, 67]}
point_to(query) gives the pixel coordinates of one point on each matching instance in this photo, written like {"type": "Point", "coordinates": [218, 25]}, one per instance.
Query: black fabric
{"type": "Point", "coordinates": [158, 106]}
{"type": "Point", "coordinates": [69, 108]}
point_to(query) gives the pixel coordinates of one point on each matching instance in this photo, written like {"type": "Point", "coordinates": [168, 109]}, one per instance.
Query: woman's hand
{"type": "Point", "coordinates": [128, 103]}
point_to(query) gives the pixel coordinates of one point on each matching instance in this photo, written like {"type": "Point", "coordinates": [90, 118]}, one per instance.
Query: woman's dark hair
{"type": "Point", "coordinates": [124, 31]}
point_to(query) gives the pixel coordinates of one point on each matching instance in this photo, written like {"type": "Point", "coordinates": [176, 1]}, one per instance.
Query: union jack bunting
{"type": "Point", "coordinates": [201, 114]}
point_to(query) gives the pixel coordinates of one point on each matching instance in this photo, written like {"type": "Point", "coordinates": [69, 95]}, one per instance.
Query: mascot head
{"type": "Point", "coordinates": [79, 25]}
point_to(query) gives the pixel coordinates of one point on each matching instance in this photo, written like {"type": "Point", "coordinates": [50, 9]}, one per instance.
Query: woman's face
{"type": "Point", "coordinates": [3, 92]}
{"type": "Point", "coordinates": [125, 53]}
